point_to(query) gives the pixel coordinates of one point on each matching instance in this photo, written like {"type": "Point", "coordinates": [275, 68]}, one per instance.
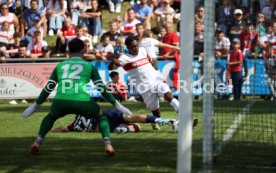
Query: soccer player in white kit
{"type": "Point", "coordinates": [149, 82]}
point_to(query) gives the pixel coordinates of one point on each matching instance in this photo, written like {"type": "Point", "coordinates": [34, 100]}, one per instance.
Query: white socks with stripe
{"type": "Point", "coordinates": [175, 104]}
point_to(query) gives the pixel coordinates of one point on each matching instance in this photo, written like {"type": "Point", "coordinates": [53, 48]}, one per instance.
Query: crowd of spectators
{"type": "Point", "coordinates": [23, 28]}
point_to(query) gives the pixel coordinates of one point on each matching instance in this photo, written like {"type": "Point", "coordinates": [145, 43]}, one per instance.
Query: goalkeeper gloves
{"type": "Point", "coordinates": [122, 109]}
{"type": "Point", "coordinates": [30, 110]}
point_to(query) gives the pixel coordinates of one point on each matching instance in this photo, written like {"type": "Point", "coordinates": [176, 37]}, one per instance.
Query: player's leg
{"type": "Point", "coordinates": [93, 110]}
{"type": "Point", "coordinates": [164, 91]}
{"type": "Point", "coordinates": [138, 118]}
{"type": "Point", "coordinates": [152, 102]}
{"type": "Point", "coordinates": [47, 123]}
{"type": "Point", "coordinates": [127, 128]}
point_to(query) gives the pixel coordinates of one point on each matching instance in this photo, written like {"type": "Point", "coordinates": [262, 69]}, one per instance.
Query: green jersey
{"type": "Point", "coordinates": [72, 77]}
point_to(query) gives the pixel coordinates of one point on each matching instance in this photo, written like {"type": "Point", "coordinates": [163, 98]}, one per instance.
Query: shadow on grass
{"type": "Point", "coordinates": [87, 155]}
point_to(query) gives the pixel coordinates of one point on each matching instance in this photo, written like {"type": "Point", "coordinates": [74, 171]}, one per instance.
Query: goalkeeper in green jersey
{"type": "Point", "coordinates": [72, 97]}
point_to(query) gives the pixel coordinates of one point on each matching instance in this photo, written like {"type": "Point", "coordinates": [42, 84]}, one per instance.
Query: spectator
{"type": "Point", "coordinates": [120, 48]}
{"type": "Point", "coordinates": [113, 32]}
{"type": "Point", "coordinates": [26, 4]}
{"type": "Point", "coordinates": [30, 15]}
{"type": "Point", "coordinates": [78, 7]}
{"type": "Point", "coordinates": [264, 3]}
{"type": "Point", "coordinates": [176, 6]}
{"type": "Point", "coordinates": [87, 52]}
{"type": "Point", "coordinates": [117, 88]}
{"type": "Point", "coordinates": [237, 26]}
{"type": "Point", "coordinates": [270, 11]}
{"type": "Point", "coordinates": [56, 10]}
{"type": "Point", "coordinates": [224, 15]}
{"type": "Point", "coordinates": [19, 51]}
{"type": "Point", "coordinates": [140, 29]}
{"type": "Point", "coordinates": [104, 48]}
{"type": "Point", "coordinates": [222, 45]}
{"type": "Point", "coordinates": [199, 40]}
{"type": "Point", "coordinates": [199, 16]}
{"type": "Point", "coordinates": [272, 41]}
{"type": "Point", "coordinates": [270, 66]}
{"type": "Point", "coordinates": [143, 13]}
{"type": "Point", "coordinates": [5, 15]}
{"type": "Point", "coordinates": [11, 5]}
{"type": "Point", "coordinates": [79, 35]}
{"type": "Point", "coordinates": [171, 38]}
{"type": "Point", "coordinates": [38, 48]}
{"type": "Point", "coordinates": [6, 34]}
{"type": "Point", "coordinates": [115, 5]}
{"type": "Point", "coordinates": [66, 34]}
{"type": "Point", "coordinates": [128, 27]}
{"type": "Point", "coordinates": [30, 33]}
{"type": "Point", "coordinates": [2, 57]}
{"type": "Point", "coordinates": [13, 49]}
{"type": "Point", "coordinates": [164, 14]}
{"type": "Point", "coordinates": [249, 40]}
{"type": "Point", "coordinates": [151, 45]}
{"type": "Point", "coordinates": [94, 16]}
{"type": "Point", "coordinates": [235, 68]}
{"type": "Point", "coordinates": [260, 28]}
{"type": "Point", "coordinates": [86, 33]}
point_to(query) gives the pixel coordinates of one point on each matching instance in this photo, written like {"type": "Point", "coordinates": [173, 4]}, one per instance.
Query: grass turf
{"type": "Point", "coordinates": [146, 151]}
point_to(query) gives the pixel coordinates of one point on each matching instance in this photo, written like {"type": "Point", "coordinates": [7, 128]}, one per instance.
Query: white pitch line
{"type": "Point", "coordinates": [231, 130]}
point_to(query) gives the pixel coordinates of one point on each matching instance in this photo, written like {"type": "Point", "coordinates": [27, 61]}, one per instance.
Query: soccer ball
{"type": "Point", "coordinates": [175, 126]}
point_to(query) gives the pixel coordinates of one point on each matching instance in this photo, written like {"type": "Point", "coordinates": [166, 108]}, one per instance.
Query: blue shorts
{"type": "Point", "coordinates": [115, 118]}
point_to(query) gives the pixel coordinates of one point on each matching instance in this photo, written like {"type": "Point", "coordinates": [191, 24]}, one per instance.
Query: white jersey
{"type": "Point", "coordinates": [272, 43]}
{"type": "Point", "coordinates": [9, 18]}
{"type": "Point", "coordinates": [150, 45]}
{"type": "Point", "coordinates": [140, 70]}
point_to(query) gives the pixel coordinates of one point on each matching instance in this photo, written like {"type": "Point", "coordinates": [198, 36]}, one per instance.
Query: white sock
{"type": "Point", "coordinates": [38, 140]}
{"type": "Point", "coordinates": [175, 104]}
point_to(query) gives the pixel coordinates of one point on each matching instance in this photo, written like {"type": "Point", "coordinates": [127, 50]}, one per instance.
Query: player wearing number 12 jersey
{"type": "Point", "coordinates": [72, 77]}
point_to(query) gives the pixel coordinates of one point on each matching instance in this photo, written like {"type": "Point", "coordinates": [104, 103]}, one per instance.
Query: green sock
{"type": "Point", "coordinates": [104, 126]}
{"type": "Point", "coordinates": [46, 125]}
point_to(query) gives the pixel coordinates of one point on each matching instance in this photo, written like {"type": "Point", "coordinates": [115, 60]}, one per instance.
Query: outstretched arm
{"type": "Point", "coordinates": [49, 87]}
{"type": "Point", "coordinates": [160, 44]}
{"type": "Point", "coordinates": [114, 63]}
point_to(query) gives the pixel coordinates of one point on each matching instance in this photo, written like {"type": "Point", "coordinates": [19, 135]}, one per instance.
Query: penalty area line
{"type": "Point", "coordinates": [233, 127]}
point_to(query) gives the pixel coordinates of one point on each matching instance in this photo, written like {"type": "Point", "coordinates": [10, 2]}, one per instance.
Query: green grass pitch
{"type": "Point", "coordinates": [146, 151]}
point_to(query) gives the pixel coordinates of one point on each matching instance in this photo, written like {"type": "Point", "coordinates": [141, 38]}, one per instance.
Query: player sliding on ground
{"type": "Point", "coordinates": [148, 81]}
{"type": "Point", "coordinates": [117, 121]}
{"type": "Point", "coordinates": [72, 77]}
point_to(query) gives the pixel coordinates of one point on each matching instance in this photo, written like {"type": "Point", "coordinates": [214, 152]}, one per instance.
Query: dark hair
{"type": "Point", "coordinates": [130, 39]}
{"type": "Point", "coordinates": [103, 37]}
{"type": "Point", "coordinates": [34, 1]}
{"type": "Point", "coordinates": [139, 24]}
{"type": "Point", "coordinates": [17, 35]}
{"type": "Point", "coordinates": [36, 33]}
{"type": "Point", "coordinates": [75, 46]}
{"type": "Point", "coordinates": [113, 74]}
{"type": "Point", "coordinates": [4, 4]}
{"type": "Point", "coordinates": [219, 31]}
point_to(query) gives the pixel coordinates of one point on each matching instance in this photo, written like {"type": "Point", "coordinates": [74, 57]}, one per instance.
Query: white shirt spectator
{"type": "Point", "coordinates": [5, 36]}
{"type": "Point", "coordinates": [36, 48]}
{"type": "Point", "coordinates": [129, 25]}
{"type": "Point", "coordinates": [107, 49]}
{"type": "Point", "coordinates": [223, 44]}
{"type": "Point", "coordinates": [31, 31]}
{"type": "Point", "coordinates": [56, 8]}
